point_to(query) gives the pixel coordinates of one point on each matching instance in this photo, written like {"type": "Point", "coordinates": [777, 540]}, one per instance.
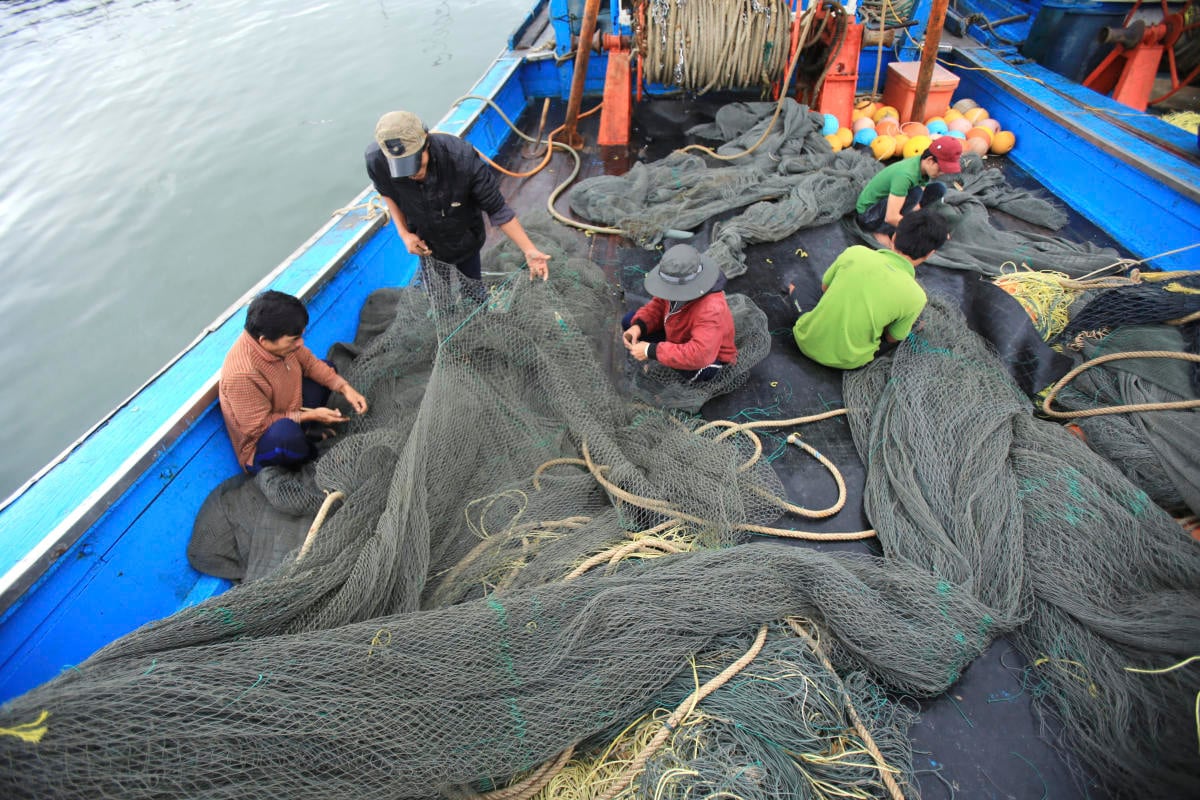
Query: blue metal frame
{"type": "Point", "coordinates": [1146, 197]}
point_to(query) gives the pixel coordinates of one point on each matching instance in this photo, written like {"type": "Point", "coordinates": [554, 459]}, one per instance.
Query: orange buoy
{"type": "Point", "coordinates": [835, 141]}
{"type": "Point", "coordinates": [951, 115]}
{"type": "Point", "coordinates": [914, 128]}
{"type": "Point", "coordinates": [887, 126]}
{"type": "Point", "coordinates": [845, 136]}
{"type": "Point", "coordinates": [980, 133]}
{"type": "Point", "coordinates": [901, 140]}
{"type": "Point", "coordinates": [977, 145]}
{"type": "Point", "coordinates": [1003, 141]}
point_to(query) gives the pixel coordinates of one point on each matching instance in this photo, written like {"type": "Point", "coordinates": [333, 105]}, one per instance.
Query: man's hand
{"type": "Point", "coordinates": [325, 416]}
{"type": "Point", "coordinates": [415, 244]}
{"type": "Point", "coordinates": [539, 266]}
{"type": "Point", "coordinates": [356, 400]}
{"type": "Point", "coordinates": [632, 335]}
{"type": "Point", "coordinates": [639, 350]}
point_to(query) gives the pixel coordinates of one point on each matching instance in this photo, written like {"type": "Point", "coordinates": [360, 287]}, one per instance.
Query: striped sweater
{"type": "Point", "coordinates": [258, 389]}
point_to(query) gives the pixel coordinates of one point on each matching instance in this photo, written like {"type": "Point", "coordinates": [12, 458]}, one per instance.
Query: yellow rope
{"type": "Point", "coordinates": [531, 784]}
{"type": "Point", "coordinates": [885, 771]}
{"type": "Point", "coordinates": [1172, 668]}
{"type": "Point", "coordinates": [31, 732]}
{"type": "Point", "coordinates": [681, 712]}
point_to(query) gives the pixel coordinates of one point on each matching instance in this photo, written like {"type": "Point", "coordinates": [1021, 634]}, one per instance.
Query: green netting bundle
{"type": "Point", "coordinates": [963, 481]}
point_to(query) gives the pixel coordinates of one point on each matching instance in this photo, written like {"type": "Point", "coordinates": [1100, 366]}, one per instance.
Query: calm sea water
{"type": "Point", "coordinates": [158, 157]}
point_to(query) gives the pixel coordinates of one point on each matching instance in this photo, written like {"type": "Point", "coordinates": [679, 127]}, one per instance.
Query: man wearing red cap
{"type": "Point", "coordinates": [905, 186]}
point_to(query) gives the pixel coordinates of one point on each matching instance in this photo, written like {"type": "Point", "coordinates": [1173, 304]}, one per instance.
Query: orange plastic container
{"type": "Point", "coordinates": [837, 97]}
{"type": "Point", "coordinates": [900, 89]}
{"type": "Point", "coordinates": [837, 93]}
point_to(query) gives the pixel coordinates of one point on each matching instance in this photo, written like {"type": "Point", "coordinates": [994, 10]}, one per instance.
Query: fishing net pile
{"type": "Point", "coordinates": [1094, 578]}
{"type": "Point", "coordinates": [525, 564]}
{"type": "Point", "coordinates": [790, 179]}
{"type": "Point", "coordinates": [535, 586]}
{"type": "Point", "coordinates": [1134, 350]}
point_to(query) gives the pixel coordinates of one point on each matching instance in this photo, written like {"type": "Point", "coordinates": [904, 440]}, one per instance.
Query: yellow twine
{"type": "Point", "coordinates": [1188, 120]}
{"type": "Point", "coordinates": [1093, 689]}
{"type": "Point", "coordinates": [31, 732]}
{"type": "Point", "coordinates": [379, 641]}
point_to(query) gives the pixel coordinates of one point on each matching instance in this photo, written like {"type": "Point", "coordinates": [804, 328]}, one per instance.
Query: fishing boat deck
{"type": "Point", "coordinates": [982, 739]}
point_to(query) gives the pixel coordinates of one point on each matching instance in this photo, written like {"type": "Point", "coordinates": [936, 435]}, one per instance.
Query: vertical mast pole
{"type": "Point", "coordinates": [933, 37]}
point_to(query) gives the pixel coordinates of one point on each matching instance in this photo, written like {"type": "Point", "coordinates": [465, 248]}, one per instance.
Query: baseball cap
{"type": "Point", "coordinates": [401, 136]}
{"type": "Point", "coordinates": [947, 150]}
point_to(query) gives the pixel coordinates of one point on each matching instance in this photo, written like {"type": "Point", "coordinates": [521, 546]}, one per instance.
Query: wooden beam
{"type": "Point", "coordinates": [929, 51]}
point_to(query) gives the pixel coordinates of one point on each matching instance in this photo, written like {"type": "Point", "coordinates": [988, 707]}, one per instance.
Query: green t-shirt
{"type": "Point", "coordinates": [895, 179]}
{"type": "Point", "coordinates": [869, 292]}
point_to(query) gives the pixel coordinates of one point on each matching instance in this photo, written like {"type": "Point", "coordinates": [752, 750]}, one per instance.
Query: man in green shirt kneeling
{"type": "Point", "coordinates": [871, 296]}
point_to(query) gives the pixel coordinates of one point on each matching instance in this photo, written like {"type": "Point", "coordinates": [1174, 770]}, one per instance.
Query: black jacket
{"type": "Point", "coordinates": [446, 208]}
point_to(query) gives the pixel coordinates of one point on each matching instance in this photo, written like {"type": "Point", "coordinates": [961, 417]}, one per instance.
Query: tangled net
{"type": "Point", "coordinates": [534, 583]}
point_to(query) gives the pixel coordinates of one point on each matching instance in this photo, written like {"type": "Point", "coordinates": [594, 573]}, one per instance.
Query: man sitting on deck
{"type": "Point", "coordinates": [871, 295]}
{"type": "Point", "coordinates": [273, 389]}
{"type": "Point", "coordinates": [688, 325]}
{"type": "Point", "coordinates": [905, 186]}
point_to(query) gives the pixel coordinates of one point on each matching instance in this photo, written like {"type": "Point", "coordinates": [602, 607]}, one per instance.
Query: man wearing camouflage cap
{"type": "Point", "coordinates": [437, 189]}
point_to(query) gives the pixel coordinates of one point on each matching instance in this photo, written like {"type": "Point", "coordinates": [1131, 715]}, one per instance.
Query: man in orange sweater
{"type": "Point", "coordinates": [688, 325]}
{"type": "Point", "coordinates": [273, 389]}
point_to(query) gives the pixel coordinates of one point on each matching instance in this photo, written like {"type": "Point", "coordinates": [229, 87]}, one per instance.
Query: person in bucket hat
{"type": "Point", "coordinates": [688, 325]}
{"type": "Point", "coordinates": [906, 186]}
{"type": "Point", "coordinates": [437, 189]}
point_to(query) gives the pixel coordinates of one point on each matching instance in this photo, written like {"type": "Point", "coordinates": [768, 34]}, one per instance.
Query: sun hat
{"type": "Point", "coordinates": [682, 274]}
{"type": "Point", "coordinates": [947, 150]}
{"type": "Point", "coordinates": [401, 136]}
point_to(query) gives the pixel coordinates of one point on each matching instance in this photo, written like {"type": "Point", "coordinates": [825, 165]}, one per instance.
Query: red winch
{"type": "Point", "coordinates": [1129, 71]}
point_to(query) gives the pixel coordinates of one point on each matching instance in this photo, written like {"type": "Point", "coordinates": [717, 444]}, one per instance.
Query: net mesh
{"type": "Point", "coordinates": [1093, 577]}
{"type": "Point", "coordinates": [530, 568]}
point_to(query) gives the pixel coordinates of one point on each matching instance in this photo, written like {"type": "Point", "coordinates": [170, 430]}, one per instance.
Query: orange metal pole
{"type": "Point", "coordinates": [933, 37]}
{"type": "Point", "coordinates": [582, 50]}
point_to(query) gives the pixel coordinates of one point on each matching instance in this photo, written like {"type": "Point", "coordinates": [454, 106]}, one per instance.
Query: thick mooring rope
{"type": "Point", "coordinates": [1125, 409]}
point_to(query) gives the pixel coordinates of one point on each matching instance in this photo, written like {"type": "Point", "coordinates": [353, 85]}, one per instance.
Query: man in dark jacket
{"type": "Point", "coordinates": [437, 188]}
{"type": "Point", "coordinates": [688, 325]}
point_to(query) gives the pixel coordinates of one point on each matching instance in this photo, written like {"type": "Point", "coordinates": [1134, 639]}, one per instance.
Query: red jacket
{"type": "Point", "coordinates": [698, 334]}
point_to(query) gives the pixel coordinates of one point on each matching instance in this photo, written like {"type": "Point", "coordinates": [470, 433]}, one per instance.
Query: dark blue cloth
{"type": "Point", "coordinates": [287, 443]}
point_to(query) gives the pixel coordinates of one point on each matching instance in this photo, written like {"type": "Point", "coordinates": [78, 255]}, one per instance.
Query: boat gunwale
{"type": "Point", "coordinates": [27, 569]}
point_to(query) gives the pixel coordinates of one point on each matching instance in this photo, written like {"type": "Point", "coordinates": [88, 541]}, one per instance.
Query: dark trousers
{"type": "Point", "coordinates": [287, 443]}
{"type": "Point", "coordinates": [696, 376]}
{"type": "Point", "coordinates": [871, 220]}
